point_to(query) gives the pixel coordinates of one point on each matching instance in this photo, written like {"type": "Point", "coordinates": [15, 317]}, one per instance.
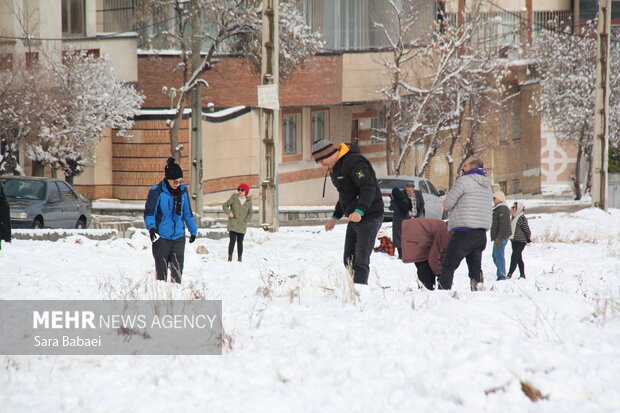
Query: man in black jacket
{"type": "Point", "coordinates": [406, 204]}
{"type": "Point", "coordinates": [5, 217]}
{"type": "Point", "coordinates": [359, 199]}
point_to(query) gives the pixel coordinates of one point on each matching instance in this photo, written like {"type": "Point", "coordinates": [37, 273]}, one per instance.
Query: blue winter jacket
{"type": "Point", "coordinates": [159, 213]}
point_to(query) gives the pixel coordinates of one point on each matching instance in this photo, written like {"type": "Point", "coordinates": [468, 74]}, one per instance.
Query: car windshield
{"type": "Point", "coordinates": [22, 189]}
{"type": "Point", "coordinates": [392, 183]}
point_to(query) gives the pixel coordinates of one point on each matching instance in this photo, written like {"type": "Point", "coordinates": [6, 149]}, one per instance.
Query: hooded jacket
{"type": "Point", "coordinates": [470, 200]}
{"type": "Point", "coordinates": [356, 183]}
{"type": "Point", "coordinates": [242, 213]}
{"type": "Point", "coordinates": [159, 212]}
{"type": "Point", "coordinates": [500, 228]}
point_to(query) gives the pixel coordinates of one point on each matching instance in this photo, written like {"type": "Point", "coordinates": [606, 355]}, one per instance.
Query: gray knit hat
{"type": "Point", "coordinates": [322, 149]}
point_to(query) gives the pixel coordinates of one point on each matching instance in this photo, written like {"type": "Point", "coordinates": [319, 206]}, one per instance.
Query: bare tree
{"type": "Point", "coordinates": [455, 82]}
{"type": "Point", "coordinates": [567, 98]}
{"type": "Point", "coordinates": [228, 26]}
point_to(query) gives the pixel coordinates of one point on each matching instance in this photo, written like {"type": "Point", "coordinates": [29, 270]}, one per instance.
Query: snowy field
{"type": "Point", "coordinates": [303, 341]}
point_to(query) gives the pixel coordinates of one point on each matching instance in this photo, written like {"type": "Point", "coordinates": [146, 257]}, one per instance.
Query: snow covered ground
{"type": "Point", "coordinates": [304, 341]}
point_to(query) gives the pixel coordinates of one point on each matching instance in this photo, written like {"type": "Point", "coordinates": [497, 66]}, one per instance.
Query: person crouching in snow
{"type": "Point", "coordinates": [239, 210]}
{"type": "Point", "coordinates": [386, 244]}
{"type": "Point", "coordinates": [166, 213]}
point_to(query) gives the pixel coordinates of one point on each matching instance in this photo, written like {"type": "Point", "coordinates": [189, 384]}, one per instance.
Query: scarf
{"type": "Point", "coordinates": [515, 218]}
{"type": "Point", "coordinates": [177, 194]}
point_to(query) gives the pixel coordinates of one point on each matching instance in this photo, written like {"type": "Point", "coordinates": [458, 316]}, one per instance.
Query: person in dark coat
{"type": "Point", "coordinates": [521, 236]}
{"type": "Point", "coordinates": [424, 243]}
{"type": "Point", "coordinates": [406, 204]}
{"type": "Point", "coordinates": [166, 213]}
{"type": "Point", "coordinates": [5, 217]}
{"type": "Point", "coordinates": [239, 211]}
{"type": "Point", "coordinates": [500, 232]}
{"type": "Point", "coordinates": [359, 200]}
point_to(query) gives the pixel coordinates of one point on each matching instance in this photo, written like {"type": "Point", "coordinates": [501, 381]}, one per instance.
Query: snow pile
{"type": "Point", "coordinates": [302, 338]}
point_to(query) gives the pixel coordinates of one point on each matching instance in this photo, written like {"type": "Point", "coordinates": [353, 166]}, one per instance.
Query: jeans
{"type": "Point", "coordinates": [463, 244]}
{"type": "Point", "coordinates": [499, 259]}
{"type": "Point", "coordinates": [358, 244]}
{"type": "Point", "coordinates": [169, 253]}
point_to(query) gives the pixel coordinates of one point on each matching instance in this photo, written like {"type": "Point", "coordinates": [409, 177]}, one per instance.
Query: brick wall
{"type": "Point", "coordinates": [232, 82]}
{"type": "Point", "coordinates": [138, 162]}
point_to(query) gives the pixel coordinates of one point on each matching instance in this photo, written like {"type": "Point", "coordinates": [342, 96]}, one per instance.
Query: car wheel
{"type": "Point", "coordinates": [37, 223]}
{"type": "Point", "coordinates": [81, 224]}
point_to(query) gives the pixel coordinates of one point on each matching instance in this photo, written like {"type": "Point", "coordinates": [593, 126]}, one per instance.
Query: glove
{"type": "Point", "coordinates": [153, 234]}
{"type": "Point", "coordinates": [192, 238]}
{"type": "Point", "coordinates": [498, 243]}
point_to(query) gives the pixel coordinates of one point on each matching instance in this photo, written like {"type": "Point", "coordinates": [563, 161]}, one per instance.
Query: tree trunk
{"type": "Point", "coordinates": [69, 179]}
{"type": "Point", "coordinates": [576, 177]}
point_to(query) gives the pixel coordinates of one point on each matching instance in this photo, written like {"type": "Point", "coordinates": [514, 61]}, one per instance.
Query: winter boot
{"type": "Point", "coordinates": [229, 258]}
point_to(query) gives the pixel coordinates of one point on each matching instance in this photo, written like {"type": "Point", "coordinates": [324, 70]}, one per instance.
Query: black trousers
{"type": "Point", "coordinates": [358, 244]}
{"type": "Point", "coordinates": [517, 258]}
{"type": "Point", "coordinates": [463, 244]}
{"type": "Point", "coordinates": [169, 253]}
{"type": "Point", "coordinates": [425, 274]}
{"type": "Point", "coordinates": [235, 237]}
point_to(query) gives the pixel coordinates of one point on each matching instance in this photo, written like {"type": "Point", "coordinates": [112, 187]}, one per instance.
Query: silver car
{"type": "Point", "coordinates": [433, 204]}
{"type": "Point", "coordinates": [45, 203]}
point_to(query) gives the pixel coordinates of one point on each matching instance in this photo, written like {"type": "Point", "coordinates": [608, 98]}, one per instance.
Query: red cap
{"type": "Point", "coordinates": [245, 188]}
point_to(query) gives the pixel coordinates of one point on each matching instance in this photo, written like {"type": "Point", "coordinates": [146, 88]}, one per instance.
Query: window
{"type": "Point", "coordinates": [32, 59]}
{"type": "Point", "coordinates": [66, 194]}
{"type": "Point", "coordinates": [319, 124]}
{"type": "Point", "coordinates": [422, 187]}
{"type": "Point", "coordinates": [516, 120]}
{"type": "Point", "coordinates": [291, 134]}
{"type": "Point", "coordinates": [503, 126]}
{"type": "Point", "coordinates": [54, 193]}
{"type": "Point", "coordinates": [6, 61]}
{"type": "Point", "coordinates": [503, 186]}
{"type": "Point", "coordinates": [432, 188]}
{"type": "Point", "coordinates": [378, 127]}
{"type": "Point", "coordinates": [73, 17]}
{"type": "Point", "coordinates": [515, 186]}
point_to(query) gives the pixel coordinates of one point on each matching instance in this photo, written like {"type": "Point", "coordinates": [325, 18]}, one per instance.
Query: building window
{"type": "Point", "coordinates": [319, 125]}
{"type": "Point", "coordinates": [292, 131]}
{"type": "Point", "coordinates": [6, 61]}
{"type": "Point", "coordinates": [32, 59]}
{"type": "Point", "coordinates": [503, 186]}
{"type": "Point", "coordinates": [73, 17]}
{"type": "Point", "coordinates": [516, 120]}
{"type": "Point", "coordinates": [503, 126]}
{"type": "Point", "coordinates": [378, 128]}
{"type": "Point", "coordinates": [515, 186]}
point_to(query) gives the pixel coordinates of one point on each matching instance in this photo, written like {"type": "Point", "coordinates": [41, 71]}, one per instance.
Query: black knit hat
{"type": "Point", "coordinates": [173, 170]}
{"type": "Point", "coordinates": [322, 149]}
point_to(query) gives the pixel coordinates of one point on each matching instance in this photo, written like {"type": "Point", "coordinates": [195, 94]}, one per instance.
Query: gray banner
{"type": "Point", "coordinates": [137, 327]}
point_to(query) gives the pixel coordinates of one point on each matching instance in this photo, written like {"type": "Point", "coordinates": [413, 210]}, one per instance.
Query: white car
{"type": "Point", "coordinates": [433, 203]}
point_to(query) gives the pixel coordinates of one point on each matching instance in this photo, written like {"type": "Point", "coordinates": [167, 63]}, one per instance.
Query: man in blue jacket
{"type": "Point", "coordinates": [166, 213]}
{"type": "Point", "coordinates": [359, 200]}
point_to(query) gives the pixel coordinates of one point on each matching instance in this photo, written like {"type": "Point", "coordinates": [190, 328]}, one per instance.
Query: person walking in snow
{"type": "Point", "coordinates": [239, 210]}
{"type": "Point", "coordinates": [424, 243]}
{"type": "Point", "coordinates": [521, 236]}
{"type": "Point", "coordinates": [166, 213]}
{"type": "Point", "coordinates": [5, 217]}
{"type": "Point", "coordinates": [500, 231]}
{"type": "Point", "coordinates": [406, 204]}
{"type": "Point", "coordinates": [359, 200]}
{"type": "Point", "coordinates": [470, 201]}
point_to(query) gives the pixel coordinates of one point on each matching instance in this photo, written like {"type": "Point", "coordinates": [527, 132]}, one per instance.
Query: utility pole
{"type": "Point", "coordinates": [269, 118]}
{"type": "Point", "coordinates": [601, 109]}
{"type": "Point", "coordinates": [196, 134]}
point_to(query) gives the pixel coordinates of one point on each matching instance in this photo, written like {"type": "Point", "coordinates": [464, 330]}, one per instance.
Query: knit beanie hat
{"type": "Point", "coordinates": [173, 170]}
{"type": "Point", "coordinates": [244, 188]}
{"type": "Point", "coordinates": [500, 196]}
{"type": "Point", "coordinates": [322, 149]}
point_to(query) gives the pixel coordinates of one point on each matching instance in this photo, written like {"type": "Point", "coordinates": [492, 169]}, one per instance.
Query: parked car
{"type": "Point", "coordinates": [433, 203]}
{"type": "Point", "coordinates": [45, 203]}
